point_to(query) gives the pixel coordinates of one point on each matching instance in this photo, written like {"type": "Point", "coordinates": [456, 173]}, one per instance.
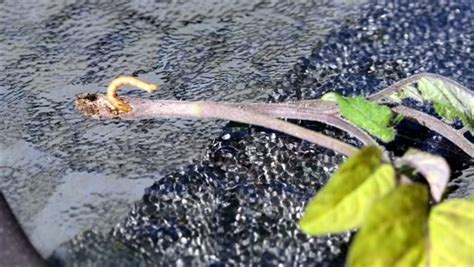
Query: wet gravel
{"type": "Point", "coordinates": [396, 39]}
{"type": "Point", "coordinates": [239, 204]}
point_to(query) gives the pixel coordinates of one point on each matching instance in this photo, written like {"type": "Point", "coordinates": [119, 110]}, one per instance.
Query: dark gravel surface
{"type": "Point", "coordinates": [239, 204]}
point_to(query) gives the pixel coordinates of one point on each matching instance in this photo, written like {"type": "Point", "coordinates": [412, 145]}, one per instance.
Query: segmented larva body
{"type": "Point", "coordinates": [118, 103]}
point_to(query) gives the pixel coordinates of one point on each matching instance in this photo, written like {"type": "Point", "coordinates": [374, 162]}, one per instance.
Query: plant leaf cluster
{"type": "Point", "coordinates": [398, 224]}
{"type": "Point", "coordinates": [449, 101]}
{"type": "Point", "coordinates": [398, 227]}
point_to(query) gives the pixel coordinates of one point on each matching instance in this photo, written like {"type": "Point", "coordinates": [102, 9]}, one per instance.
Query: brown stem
{"type": "Point", "coordinates": [463, 130]}
{"type": "Point", "coordinates": [456, 137]}
{"type": "Point", "coordinates": [97, 106]}
{"type": "Point", "coordinates": [262, 114]}
{"type": "Point", "coordinates": [320, 111]}
{"type": "Point", "coordinates": [398, 86]}
{"type": "Point", "coordinates": [436, 125]}
{"type": "Point", "coordinates": [221, 111]}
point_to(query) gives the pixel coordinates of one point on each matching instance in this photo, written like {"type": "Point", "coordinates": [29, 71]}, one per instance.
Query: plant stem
{"type": "Point", "coordinates": [266, 114]}
{"type": "Point", "coordinates": [455, 136]}
{"type": "Point", "coordinates": [463, 130]}
{"type": "Point", "coordinates": [432, 123]}
{"type": "Point", "coordinates": [320, 111]}
{"type": "Point", "coordinates": [222, 111]}
{"type": "Point", "coordinates": [209, 110]}
{"type": "Point", "coordinates": [398, 86]}
{"type": "Point", "coordinates": [317, 110]}
{"type": "Point", "coordinates": [436, 125]}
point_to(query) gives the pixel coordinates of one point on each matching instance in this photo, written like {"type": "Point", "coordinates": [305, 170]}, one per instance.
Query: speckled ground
{"type": "Point", "coordinates": [239, 204]}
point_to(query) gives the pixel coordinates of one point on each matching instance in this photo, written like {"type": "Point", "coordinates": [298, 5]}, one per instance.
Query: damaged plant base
{"type": "Point", "coordinates": [111, 107]}
{"type": "Point", "coordinates": [100, 109]}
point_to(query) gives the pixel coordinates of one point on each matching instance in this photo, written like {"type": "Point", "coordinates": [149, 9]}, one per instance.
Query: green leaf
{"type": "Point", "coordinates": [398, 118]}
{"type": "Point", "coordinates": [450, 101]}
{"type": "Point", "coordinates": [451, 236]}
{"type": "Point", "coordinates": [375, 119]}
{"type": "Point", "coordinates": [393, 233]}
{"type": "Point", "coordinates": [446, 112]}
{"type": "Point", "coordinates": [408, 92]}
{"type": "Point", "coordinates": [343, 203]}
{"type": "Point", "coordinates": [435, 170]}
